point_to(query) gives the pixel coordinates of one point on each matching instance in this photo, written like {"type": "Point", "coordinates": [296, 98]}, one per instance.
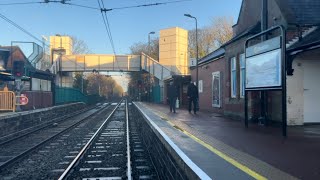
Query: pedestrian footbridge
{"type": "Point", "coordinates": [116, 63]}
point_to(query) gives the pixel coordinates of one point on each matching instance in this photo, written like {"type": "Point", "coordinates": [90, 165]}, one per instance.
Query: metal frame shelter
{"type": "Point", "coordinates": [266, 46]}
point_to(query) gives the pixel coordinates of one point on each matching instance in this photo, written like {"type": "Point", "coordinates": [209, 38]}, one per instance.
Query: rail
{"type": "Point", "coordinates": [83, 150]}
{"type": "Point", "coordinates": [128, 145]}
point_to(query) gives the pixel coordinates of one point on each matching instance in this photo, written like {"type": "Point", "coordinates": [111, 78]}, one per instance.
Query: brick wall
{"type": "Point", "coordinates": [168, 163]}
{"type": "Point", "coordinates": [205, 74]}
{"type": "Point", "coordinates": [28, 119]}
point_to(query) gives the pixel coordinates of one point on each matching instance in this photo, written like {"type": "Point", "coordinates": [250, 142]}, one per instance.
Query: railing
{"type": "Point", "coordinates": [154, 67]}
{"type": "Point", "coordinates": [7, 100]}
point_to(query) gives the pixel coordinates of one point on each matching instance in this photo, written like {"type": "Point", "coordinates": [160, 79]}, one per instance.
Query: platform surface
{"type": "Point", "coordinates": [224, 149]}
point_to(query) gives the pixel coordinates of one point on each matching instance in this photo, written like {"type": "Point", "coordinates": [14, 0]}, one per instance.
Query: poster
{"type": "Point", "coordinates": [264, 70]}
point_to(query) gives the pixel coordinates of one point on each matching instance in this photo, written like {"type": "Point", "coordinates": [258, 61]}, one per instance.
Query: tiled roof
{"type": "Point", "coordinates": [300, 12]}
{"type": "Point", "coordinates": [311, 39]}
{"type": "Point", "coordinates": [213, 55]}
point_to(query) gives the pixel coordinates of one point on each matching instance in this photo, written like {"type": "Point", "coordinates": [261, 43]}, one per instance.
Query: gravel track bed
{"type": "Point", "coordinates": [106, 156]}
{"type": "Point", "coordinates": [49, 160]}
{"type": "Point", "coordinates": [141, 163]}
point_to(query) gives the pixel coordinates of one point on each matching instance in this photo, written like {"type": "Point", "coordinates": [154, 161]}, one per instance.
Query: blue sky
{"type": "Point", "coordinates": [128, 26]}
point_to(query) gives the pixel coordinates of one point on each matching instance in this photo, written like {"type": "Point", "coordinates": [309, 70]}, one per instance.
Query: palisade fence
{"type": "Point", "coordinates": [65, 95]}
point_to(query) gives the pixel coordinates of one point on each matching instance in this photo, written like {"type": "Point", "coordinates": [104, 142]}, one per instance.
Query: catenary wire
{"type": "Point", "coordinates": [20, 28]}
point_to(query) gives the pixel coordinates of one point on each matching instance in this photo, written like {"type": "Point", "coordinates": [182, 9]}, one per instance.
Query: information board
{"type": "Point", "coordinates": [264, 70]}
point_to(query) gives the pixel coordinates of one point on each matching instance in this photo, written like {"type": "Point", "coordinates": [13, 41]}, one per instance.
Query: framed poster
{"type": "Point", "coordinates": [264, 70]}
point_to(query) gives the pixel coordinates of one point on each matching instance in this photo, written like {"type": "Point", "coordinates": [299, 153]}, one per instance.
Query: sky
{"type": "Point", "coordinates": [128, 26]}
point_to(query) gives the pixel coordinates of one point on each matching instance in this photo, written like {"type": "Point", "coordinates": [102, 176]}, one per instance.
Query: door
{"type": "Point", "coordinates": [216, 90]}
{"type": "Point", "coordinates": [311, 91]}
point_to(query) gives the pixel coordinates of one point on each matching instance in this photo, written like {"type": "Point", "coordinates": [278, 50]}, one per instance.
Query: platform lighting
{"type": "Point", "coordinates": [197, 73]}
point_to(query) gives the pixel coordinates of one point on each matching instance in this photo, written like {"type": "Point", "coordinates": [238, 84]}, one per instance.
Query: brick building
{"type": "Point", "coordinates": [222, 72]}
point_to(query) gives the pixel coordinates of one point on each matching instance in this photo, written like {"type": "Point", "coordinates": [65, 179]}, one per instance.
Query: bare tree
{"type": "Point", "coordinates": [140, 47]}
{"type": "Point", "coordinates": [210, 37]}
{"type": "Point", "coordinates": [221, 27]}
{"type": "Point", "coordinates": [79, 46]}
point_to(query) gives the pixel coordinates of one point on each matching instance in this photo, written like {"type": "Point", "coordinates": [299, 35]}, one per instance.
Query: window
{"type": "Point", "coordinates": [216, 95]}
{"type": "Point", "coordinates": [242, 75]}
{"type": "Point", "coordinates": [200, 88]}
{"type": "Point", "coordinates": [233, 77]}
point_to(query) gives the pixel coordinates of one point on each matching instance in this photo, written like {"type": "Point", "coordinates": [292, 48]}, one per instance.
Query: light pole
{"type": "Point", "coordinates": [149, 52]}
{"type": "Point", "coordinates": [60, 54]}
{"type": "Point", "coordinates": [197, 74]}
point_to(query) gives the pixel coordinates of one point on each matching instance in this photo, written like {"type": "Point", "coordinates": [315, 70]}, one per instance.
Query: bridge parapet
{"type": "Point", "coordinates": [128, 63]}
{"type": "Point", "coordinates": [155, 68]}
{"type": "Point", "coordinates": [90, 62]}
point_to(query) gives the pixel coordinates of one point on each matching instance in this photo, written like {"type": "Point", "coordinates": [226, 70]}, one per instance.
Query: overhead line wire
{"type": "Point", "coordinates": [107, 27]}
{"type": "Point", "coordinates": [144, 5]}
{"type": "Point", "coordinates": [18, 3]}
{"type": "Point", "coordinates": [110, 34]}
{"type": "Point", "coordinates": [83, 6]}
{"type": "Point", "coordinates": [21, 28]}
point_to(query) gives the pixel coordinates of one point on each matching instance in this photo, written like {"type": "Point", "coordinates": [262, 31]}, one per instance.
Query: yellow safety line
{"type": "Point", "coordinates": [227, 158]}
{"type": "Point", "coordinates": [220, 154]}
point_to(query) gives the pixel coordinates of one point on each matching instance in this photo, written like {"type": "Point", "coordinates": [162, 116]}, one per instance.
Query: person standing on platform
{"type": "Point", "coordinates": [192, 97]}
{"type": "Point", "coordinates": [172, 96]}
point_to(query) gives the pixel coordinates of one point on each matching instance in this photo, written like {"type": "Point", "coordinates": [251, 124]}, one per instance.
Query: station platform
{"type": "Point", "coordinates": [225, 149]}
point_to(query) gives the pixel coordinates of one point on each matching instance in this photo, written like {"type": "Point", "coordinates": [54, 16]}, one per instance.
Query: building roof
{"type": "Point", "coordinates": [213, 55]}
{"type": "Point", "coordinates": [251, 30]}
{"type": "Point", "coordinates": [300, 12]}
{"type": "Point", "coordinates": [309, 41]}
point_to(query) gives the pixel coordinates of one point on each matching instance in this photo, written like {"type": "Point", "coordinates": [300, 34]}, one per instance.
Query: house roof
{"type": "Point", "coordinates": [251, 30]}
{"type": "Point", "coordinates": [300, 12]}
{"type": "Point", "coordinates": [309, 41]}
{"type": "Point", "coordinates": [213, 55]}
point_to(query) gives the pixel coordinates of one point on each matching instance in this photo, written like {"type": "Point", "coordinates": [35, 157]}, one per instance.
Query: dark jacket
{"type": "Point", "coordinates": [172, 92]}
{"type": "Point", "coordinates": [192, 91]}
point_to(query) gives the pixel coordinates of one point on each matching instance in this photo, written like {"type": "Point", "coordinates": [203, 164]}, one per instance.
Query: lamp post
{"type": "Point", "coordinates": [149, 52]}
{"type": "Point", "coordinates": [60, 54]}
{"type": "Point", "coordinates": [197, 74]}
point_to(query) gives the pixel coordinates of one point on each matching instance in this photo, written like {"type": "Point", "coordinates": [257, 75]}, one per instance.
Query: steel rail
{"type": "Point", "coordinates": [14, 159]}
{"type": "Point", "coordinates": [77, 158]}
{"type": "Point", "coordinates": [128, 145]}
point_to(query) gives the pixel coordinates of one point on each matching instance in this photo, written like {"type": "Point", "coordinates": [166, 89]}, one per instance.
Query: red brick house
{"type": "Point", "coordinates": [37, 84]}
{"type": "Point", "coordinates": [227, 64]}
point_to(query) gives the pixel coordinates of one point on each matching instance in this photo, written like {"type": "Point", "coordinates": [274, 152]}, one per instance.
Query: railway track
{"type": "Point", "coordinates": [114, 151]}
{"type": "Point", "coordinates": [16, 148]}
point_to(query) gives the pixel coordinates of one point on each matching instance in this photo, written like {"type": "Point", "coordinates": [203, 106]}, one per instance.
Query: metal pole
{"type": "Point", "coordinates": [197, 72]}
{"type": "Point", "coordinates": [82, 82]}
{"type": "Point", "coordinates": [284, 84]}
{"type": "Point", "coordinates": [149, 68]}
{"type": "Point", "coordinates": [246, 109]}
{"type": "Point", "coordinates": [149, 52]}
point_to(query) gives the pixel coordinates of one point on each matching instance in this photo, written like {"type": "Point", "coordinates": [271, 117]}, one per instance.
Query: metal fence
{"type": "Point", "coordinates": [7, 100]}
{"type": "Point", "coordinates": [65, 95]}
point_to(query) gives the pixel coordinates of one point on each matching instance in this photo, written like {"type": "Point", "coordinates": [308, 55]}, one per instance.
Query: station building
{"type": "Point", "coordinates": [221, 73]}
